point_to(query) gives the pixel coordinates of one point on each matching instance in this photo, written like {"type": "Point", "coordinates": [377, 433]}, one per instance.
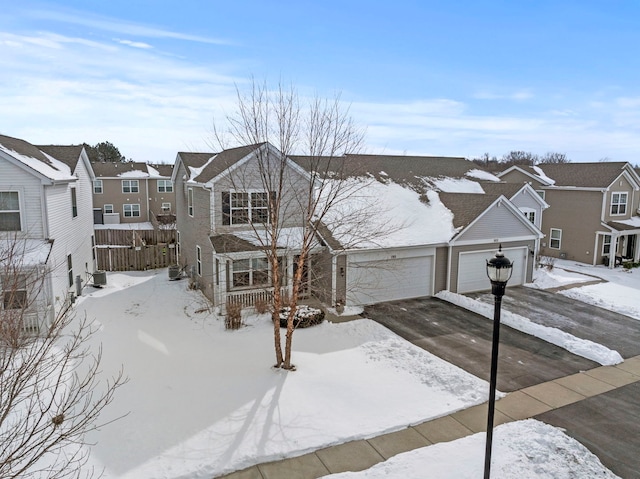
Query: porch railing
{"type": "Point", "coordinates": [251, 298]}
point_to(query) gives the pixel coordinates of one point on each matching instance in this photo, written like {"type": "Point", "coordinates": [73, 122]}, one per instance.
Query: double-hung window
{"type": "Point", "coordinates": [555, 239]}
{"type": "Point", "coordinates": [9, 211]}
{"type": "Point", "coordinates": [165, 186]}
{"type": "Point", "coordinates": [97, 187]}
{"type": "Point", "coordinates": [199, 260]}
{"type": "Point", "coordinates": [131, 210]}
{"type": "Point", "coordinates": [618, 203]}
{"type": "Point", "coordinates": [242, 208]}
{"type": "Point", "coordinates": [166, 208]}
{"type": "Point", "coordinates": [250, 272]}
{"type": "Point", "coordinates": [190, 202]}
{"type": "Point", "coordinates": [108, 208]}
{"type": "Point", "coordinates": [14, 291]}
{"type": "Point", "coordinates": [530, 214]}
{"type": "Point", "coordinates": [130, 186]}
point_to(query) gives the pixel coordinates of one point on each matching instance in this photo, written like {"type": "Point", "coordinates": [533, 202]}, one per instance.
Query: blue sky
{"type": "Point", "coordinates": [423, 77]}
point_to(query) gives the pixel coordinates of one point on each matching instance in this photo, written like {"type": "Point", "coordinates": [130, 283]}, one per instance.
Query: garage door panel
{"type": "Point", "coordinates": [472, 268]}
{"type": "Point", "coordinates": [371, 282]}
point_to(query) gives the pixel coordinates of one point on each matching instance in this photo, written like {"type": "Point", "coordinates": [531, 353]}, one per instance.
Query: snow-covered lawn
{"type": "Point", "coordinates": [203, 401]}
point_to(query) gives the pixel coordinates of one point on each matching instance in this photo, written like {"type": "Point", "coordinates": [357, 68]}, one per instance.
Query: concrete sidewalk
{"type": "Point", "coordinates": [522, 404]}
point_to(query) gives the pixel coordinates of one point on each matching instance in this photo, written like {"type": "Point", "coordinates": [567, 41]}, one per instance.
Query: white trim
{"type": "Point", "coordinates": [551, 238]}
{"type": "Point", "coordinates": [626, 203]}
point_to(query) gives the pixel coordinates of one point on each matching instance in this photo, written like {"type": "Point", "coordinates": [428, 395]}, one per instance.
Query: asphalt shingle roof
{"type": "Point", "coordinates": [69, 155]}
{"type": "Point", "coordinates": [585, 175]}
{"type": "Point", "coordinates": [466, 207]}
{"type": "Point", "coordinates": [114, 169]}
{"type": "Point", "coordinates": [24, 148]}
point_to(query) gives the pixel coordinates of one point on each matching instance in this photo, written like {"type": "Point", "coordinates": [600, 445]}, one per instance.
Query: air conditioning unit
{"type": "Point", "coordinates": [174, 272]}
{"type": "Point", "coordinates": [99, 278]}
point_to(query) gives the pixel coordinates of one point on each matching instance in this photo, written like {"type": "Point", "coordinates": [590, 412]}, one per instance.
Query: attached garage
{"type": "Point", "coordinates": [472, 269]}
{"type": "Point", "coordinates": [374, 279]}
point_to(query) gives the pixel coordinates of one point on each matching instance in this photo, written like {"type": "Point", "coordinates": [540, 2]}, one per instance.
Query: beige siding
{"type": "Point", "coordinates": [113, 195]}
{"type": "Point", "coordinates": [577, 214]}
{"type": "Point", "coordinates": [520, 178]}
{"type": "Point", "coordinates": [622, 185]}
{"type": "Point", "coordinates": [441, 268]}
{"type": "Point", "coordinates": [156, 198]}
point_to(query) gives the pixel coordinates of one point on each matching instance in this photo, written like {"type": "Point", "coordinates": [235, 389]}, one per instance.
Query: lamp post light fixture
{"type": "Point", "coordinates": [499, 271]}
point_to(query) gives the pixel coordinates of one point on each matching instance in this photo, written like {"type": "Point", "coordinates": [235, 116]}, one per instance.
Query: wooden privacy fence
{"type": "Point", "coordinates": [135, 250]}
{"type": "Point", "coordinates": [135, 258]}
{"type": "Point", "coordinates": [113, 237]}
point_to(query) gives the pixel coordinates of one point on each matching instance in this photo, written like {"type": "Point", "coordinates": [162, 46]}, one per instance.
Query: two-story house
{"type": "Point", "coordinates": [46, 218]}
{"type": "Point", "coordinates": [223, 220]}
{"type": "Point", "coordinates": [132, 192]}
{"type": "Point", "coordinates": [593, 209]}
{"type": "Point", "coordinates": [441, 224]}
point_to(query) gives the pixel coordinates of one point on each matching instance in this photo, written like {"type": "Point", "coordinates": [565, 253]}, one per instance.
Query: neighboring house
{"type": "Point", "coordinates": [593, 209]}
{"type": "Point", "coordinates": [46, 213]}
{"type": "Point", "coordinates": [432, 227]}
{"type": "Point", "coordinates": [133, 192]}
{"type": "Point", "coordinates": [441, 224]}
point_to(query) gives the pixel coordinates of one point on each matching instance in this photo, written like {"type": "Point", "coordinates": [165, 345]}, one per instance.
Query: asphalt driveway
{"type": "Point", "coordinates": [464, 338]}
{"type": "Point", "coordinates": [613, 330]}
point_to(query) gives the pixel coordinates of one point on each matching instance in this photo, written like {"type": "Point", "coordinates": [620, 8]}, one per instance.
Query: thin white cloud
{"type": "Point", "coordinates": [115, 25]}
{"type": "Point", "coordinates": [133, 44]}
{"type": "Point", "coordinates": [518, 95]}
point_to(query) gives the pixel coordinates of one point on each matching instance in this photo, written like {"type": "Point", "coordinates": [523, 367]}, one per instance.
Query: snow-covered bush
{"type": "Point", "coordinates": [304, 317]}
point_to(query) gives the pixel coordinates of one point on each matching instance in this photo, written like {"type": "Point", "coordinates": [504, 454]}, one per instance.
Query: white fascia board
{"type": "Point", "coordinates": [506, 240]}
{"type": "Point", "coordinates": [429, 248]}
{"type": "Point", "coordinates": [625, 173]}
{"type": "Point", "coordinates": [235, 166]}
{"type": "Point", "coordinates": [575, 188]}
{"type": "Point", "coordinates": [527, 187]}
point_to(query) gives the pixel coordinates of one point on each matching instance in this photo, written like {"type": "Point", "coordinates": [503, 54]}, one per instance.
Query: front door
{"type": "Point", "coordinates": [631, 247]}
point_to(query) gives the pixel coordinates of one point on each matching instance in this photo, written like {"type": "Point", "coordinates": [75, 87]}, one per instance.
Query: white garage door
{"type": "Point", "coordinates": [472, 269]}
{"type": "Point", "coordinates": [371, 282]}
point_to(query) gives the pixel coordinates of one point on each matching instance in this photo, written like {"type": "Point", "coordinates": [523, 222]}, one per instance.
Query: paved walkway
{"type": "Point", "coordinates": [522, 404]}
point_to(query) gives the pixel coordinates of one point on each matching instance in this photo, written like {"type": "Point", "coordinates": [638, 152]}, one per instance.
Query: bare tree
{"type": "Point", "coordinates": [51, 391]}
{"type": "Point", "coordinates": [318, 135]}
{"type": "Point", "coordinates": [519, 157]}
{"type": "Point", "coordinates": [554, 157]}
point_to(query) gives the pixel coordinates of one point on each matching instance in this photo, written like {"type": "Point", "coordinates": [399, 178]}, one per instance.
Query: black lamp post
{"type": "Point", "coordinates": [499, 271]}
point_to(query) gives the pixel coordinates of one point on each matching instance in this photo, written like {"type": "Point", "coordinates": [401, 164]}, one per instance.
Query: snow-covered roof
{"type": "Point", "coordinates": [35, 160]}
{"type": "Point", "coordinates": [29, 252]}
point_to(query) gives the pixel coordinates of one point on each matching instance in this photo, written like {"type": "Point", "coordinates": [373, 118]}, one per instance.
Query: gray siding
{"type": "Point", "coordinates": [441, 268]}
{"type": "Point", "coordinates": [497, 223]}
{"type": "Point", "coordinates": [29, 188]}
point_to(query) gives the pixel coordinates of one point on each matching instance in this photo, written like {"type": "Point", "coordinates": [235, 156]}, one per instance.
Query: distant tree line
{"type": "Point", "coordinates": [104, 152]}
{"type": "Point", "coordinates": [519, 157]}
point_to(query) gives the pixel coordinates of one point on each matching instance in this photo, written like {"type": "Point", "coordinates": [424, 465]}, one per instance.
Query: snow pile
{"type": "Point", "coordinates": [556, 277]}
{"type": "Point", "coordinates": [55, 170]}
{"type": "Point", "coordinates": [521, 449]}
{"type": "Point", "coordinates": [614, 297]}
{"type": "Point", "coordinates": [482, 175]}
{"type": "Point", "coordinates": [457, 185]}
{"type": "Point", "coordinates": [582, 347]}
{"type": "Point", "coordinates": [370, 214]}
{"type": "Point", "coordinates": [543, 176]}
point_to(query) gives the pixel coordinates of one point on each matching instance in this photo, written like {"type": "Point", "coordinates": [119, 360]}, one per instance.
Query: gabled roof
{"type": "Point", "coordinates": [115, 169]}
{"type": "Point", "coordinates": [69, 155]}
{"type": "Point", "coordinates": [203, 167]}
{"type": "Point", "coordinates": [466, 207]}
{"type": "Point", "coordinates": [32, 159]}
{"type": "Point", "coordinates": [581, 175]}
{"type": "Point", "coordinates": [501, 188]}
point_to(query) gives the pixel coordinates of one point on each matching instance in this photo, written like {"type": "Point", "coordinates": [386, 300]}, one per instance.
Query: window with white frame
{"type": "Point", "coordinates": [251, 272]}
{"type": "Point", "coordinates": [14, 291]}
{"type": "Point", "coordinates": [166, 207]}
{"type": "Point", "coordinates": [108, 208]}
{"type": "Point", "coordinates": [131, 210]}
{"type": "Point", "coordinates": [190, 202]}
{"type": "Point", "coordinates": [130, 186]}
{"type": "Point", "coordinates": [530, 214]}
{"type": "Point", "coordinates": [97, 187]}
{"type": "Point", "coordinates": [241, 208]}
{"type": "Point", "coordinates": [165, 186]}
{"type": "Point", "coordinates": [10, 211]}
{"type": "Point", "coordinates": [541, 193]}
{"type": "Point", "coordinates": [199, 260]}
{"type": "Point", "coordinates": [555, 238]}
{"type": "Point", "coordinates": [618, 203]}
{"type": "Point", "coordinates": [606, 244]}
